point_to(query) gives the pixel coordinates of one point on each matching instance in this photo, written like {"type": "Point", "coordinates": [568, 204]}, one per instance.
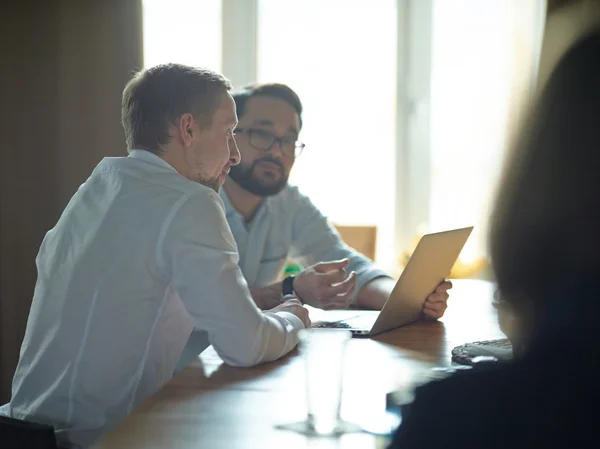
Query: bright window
{"type": "Point", "coordinates": [182, 31]}
{"type": "Point", "coordinates": [340, 57]}
{"type": "Point", "coordinates": [472, 74]}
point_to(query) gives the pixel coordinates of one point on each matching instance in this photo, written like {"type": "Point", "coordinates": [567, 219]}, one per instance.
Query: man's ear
{"type": "Point", "coordinates": [185, 129]}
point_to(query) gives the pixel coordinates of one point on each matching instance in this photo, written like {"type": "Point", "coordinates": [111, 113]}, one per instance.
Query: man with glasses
{"type": "Point", "coordinates": [272, 221]}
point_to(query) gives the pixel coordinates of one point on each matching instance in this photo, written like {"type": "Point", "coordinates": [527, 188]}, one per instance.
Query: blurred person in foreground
{"type": "Point", "coordinates": [141, 257]}
{"type": "Point", "coordinates": [545, 250]}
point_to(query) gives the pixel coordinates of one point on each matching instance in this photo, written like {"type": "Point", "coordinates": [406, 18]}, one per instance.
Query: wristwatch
{"type": "Point", "coordinates": [287, 288]}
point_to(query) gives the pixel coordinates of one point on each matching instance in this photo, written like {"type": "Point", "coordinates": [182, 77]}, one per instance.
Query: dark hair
{"type": "Point", "coordinates": [274, 90]}
{"type": "Point", "coordinates": [544, 229]}
{"type": "Point", "coordinates": [156, 97]}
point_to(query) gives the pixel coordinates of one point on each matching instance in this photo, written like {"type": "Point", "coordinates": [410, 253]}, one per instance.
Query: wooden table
{"type": "Point", "coordinates": [211, 405]}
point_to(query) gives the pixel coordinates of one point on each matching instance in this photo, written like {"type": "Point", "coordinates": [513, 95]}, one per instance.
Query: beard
{"type": "Point", "coordinates": [246, 177]}
{"type": "Point", "coordinates": [214, 185]}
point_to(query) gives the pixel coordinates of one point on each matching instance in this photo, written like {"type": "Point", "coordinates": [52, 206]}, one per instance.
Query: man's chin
{"type": "Point", "coordinates": [220, 182]}
{"type": "Point", "coordinates": [215, 184]}
{"type": "Point", "coordinates": [269, 183]}
{"type": "Point", "coordinates": [259, 186]}
{"type": "Point", "coordinates": [263, 190]}
{"type": "Point", "coordinates": [273, 191]}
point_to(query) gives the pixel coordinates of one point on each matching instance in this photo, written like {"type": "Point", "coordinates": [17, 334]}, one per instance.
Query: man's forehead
{"type": "Point", "coordinates": [227, 119]}
{"type": "Point", "coordinates": [229, 115]}
{"type": "Point", "coordinates": [271, 112]}
{"type": "Point", "coordinates": [270, 123]}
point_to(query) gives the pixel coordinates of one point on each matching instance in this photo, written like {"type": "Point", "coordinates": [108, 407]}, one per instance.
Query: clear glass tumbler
{"type": "Point", "coordinates": [323, 351]}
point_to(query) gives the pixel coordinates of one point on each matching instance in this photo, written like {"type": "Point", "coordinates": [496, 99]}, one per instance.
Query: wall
{"type": "Point", "coordinates": [64, 65]}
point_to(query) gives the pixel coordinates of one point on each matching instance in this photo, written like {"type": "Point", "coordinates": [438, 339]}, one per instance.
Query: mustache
{"type": "Point", "coordinates": [269, 159]}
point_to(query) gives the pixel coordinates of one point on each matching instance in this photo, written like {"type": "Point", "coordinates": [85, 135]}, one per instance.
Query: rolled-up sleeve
{"type": "Point", "coordinates": [315, 240]}
{"type": "Point", "coordinates": [199, 255]}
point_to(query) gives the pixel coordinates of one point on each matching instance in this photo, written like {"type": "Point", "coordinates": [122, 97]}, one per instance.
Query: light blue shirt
{"type": "Point", "coordinates": [140, 258]}
{"type": "Point", "coordinates": [288, 225]}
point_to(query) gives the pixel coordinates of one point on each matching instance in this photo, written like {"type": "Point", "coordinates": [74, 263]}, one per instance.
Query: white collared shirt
{"type": "Point", "coordinates": [140, 258]}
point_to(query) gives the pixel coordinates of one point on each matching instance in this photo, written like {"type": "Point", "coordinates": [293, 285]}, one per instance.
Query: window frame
{"type": "Point", "coordinates": [411, 205]}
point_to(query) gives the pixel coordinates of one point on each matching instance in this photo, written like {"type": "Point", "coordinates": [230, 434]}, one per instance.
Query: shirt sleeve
{"type": "Point", "coordinates": [315, 240]}
{"type": "Point", "coordinates": [199, 255]}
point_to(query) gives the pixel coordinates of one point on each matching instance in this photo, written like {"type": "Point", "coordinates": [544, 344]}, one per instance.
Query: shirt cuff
{"type": "Point", "coordinates": [291, 321]}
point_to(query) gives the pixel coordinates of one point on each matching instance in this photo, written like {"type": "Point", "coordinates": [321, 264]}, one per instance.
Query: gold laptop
{"type": "Point", "coordinates": [429, 264]}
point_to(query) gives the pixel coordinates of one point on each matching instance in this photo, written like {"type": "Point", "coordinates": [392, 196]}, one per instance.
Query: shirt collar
{"type": "Point", "coordinates": [228, 207]}
{"type": "Point", "coordinates": [229, 210]}
{"type": "Point", "coordinates": [151, 158]}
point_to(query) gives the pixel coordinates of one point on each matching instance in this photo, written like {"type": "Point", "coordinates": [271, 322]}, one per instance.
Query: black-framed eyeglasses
{"type": "Point", "coordinates": [264, 140]}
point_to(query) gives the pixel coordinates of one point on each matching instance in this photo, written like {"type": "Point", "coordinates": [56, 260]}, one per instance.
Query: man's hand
{"type": "Point", "coordinates": [326, 285]}
{"type": "Point", "coordinates": [293, 306]}
{"type": "Point", "coordinates": [437, 302]}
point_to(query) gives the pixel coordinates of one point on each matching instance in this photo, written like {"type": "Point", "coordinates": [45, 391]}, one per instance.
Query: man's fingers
{"type": "Point", "coordinates": [295, 307]}
{"type": "Point", "coordinates": [345, 286]}
{"type": "Point", "coordinates": [302, 313]}
{"type": "Point", "coordinates": [435, 307]}
{"type": "Point", "coordinates": [292, 302]}
{"type": "Point", "coordinates": [325, 267]}
{"type": "Point", "coordinates": [333, 277]}
{"type": "Point", "coordinates": [326, 293]}
{"type": "Point", "coordinates": [443, 287]}
{"type": "Point", "coordinates": [433, 314]}
{"type": "Point", "coordinates": [438, 297]}
{"type": "Point", "coordinates": [343, 299]}
{"type": "Point", "coordinates": [434, 310]}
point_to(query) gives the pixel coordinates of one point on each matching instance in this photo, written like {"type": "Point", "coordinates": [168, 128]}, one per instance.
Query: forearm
{"type": "Point", "coordinates": [202, 263]}
{"type": "Point", "coordinates": [267, 297]}
{"type": "Point", "coordinates": [275, 337]}
{"type": "Point", "coordinates": [374, 294]}
{"type": "Point", "coordinates": [242, 334]}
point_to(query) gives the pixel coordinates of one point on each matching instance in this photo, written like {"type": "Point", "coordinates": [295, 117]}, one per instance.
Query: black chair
{"type": "Point", "coordinates": [17, 434]}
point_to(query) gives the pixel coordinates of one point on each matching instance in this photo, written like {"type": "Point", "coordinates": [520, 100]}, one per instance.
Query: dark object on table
{"type": "Point", "coordinates": [488, 350]}
{"type": "Point", "coordinates": [17, 434]}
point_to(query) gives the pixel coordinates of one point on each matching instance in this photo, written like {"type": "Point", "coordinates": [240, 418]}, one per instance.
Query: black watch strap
{"type": "Point", "coordinates": [287, 286]}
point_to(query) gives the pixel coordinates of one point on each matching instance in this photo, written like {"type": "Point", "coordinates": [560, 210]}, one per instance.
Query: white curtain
{"type": "Point", "coordinates": [485, 56]}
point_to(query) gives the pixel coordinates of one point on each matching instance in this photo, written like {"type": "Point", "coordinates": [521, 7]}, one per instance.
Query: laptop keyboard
{"type": "Point", "coordinates": [332, 325]}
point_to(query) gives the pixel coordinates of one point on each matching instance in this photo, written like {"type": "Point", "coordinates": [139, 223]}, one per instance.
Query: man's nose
{"type": "Point", "coordinates": [234, 153]}
{"type": "Point", "coordinates": [276, 149]}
